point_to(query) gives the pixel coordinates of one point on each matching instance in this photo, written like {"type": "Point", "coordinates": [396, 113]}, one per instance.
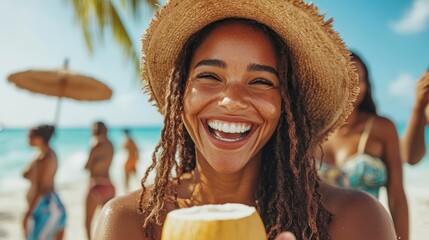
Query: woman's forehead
{"type": "Point", "coordinates": [242, 39]}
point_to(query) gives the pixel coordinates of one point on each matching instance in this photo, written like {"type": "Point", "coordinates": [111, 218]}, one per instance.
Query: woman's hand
{"type": "Point", "coordinates": [422, 91]}
{"type": "Point", "coordinates": [285, 236]}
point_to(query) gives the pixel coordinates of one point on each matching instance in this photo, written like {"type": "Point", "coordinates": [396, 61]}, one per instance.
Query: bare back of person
{"type": "Point", "coordinates": [101, 157]}
{"type": "Point", "coordinates": [101, 188]}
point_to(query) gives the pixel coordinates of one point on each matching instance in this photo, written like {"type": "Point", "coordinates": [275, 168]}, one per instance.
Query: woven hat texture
{"type": "Point", "coordinates": [320, 59]}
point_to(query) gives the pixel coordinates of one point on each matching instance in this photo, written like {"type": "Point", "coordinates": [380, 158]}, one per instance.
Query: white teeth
{"type": "Point", "coordinates": [229, 127]}
{"type": "Point", "coordinates": [225, 128]}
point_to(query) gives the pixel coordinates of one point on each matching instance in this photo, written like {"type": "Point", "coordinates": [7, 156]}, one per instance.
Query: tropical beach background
{"type": "Point", "coordinates": [393, 38]}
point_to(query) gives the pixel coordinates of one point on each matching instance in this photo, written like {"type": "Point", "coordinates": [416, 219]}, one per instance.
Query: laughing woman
{"type": "Point", "coordinates": [248, 90]}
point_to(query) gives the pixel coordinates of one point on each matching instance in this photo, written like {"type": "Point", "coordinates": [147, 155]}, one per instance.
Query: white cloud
{"type": "Point", "coordinates": [415, 19]}
{"type": "Point", "coordinates": [403, 86]}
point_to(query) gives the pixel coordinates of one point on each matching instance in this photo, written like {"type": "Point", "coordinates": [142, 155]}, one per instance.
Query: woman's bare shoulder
{"type": "Point", "coordinates": [384, 125]}
{"type": "Point", "coordinates": [120, 219]}
{"type": "Point", "coordinates": [357, 215]}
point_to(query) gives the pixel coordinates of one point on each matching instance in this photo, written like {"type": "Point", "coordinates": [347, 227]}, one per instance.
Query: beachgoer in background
{"type": "Point", "coordinates": [364, 153]}
{"type": "Point", "coordinates": [46, 216]}
{"type": "Point", "coordinates": [413, 146]}
{"type": "Point", "coordinates": [133, 156]}
{"type": "Point", "coordinates": [100, 158]}
{"type": "Point", "coordinates": [248, 90]}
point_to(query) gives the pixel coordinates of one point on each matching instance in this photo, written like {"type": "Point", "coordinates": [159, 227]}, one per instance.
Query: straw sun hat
{"type": "Point", "coordinates": [320, 59]}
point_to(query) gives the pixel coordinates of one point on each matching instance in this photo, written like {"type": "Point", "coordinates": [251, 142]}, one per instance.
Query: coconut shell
{"type": "Point", "coordinates": [230, 228]}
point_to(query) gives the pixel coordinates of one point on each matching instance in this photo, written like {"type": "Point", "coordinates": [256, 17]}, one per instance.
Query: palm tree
{"type": "Point", "coordinates": [97, 15]}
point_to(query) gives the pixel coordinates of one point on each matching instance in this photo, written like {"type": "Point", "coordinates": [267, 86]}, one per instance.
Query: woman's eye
{"type": "Point", "coordinates": [263, 82]}
{"type": "Point", "coordinates": [208, 76]}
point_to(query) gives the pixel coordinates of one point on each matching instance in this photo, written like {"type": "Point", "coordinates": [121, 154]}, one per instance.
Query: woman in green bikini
{"type": "Point", "coordinates": [364, 154]}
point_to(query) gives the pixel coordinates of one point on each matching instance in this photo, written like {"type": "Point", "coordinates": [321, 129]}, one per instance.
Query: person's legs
{"type": "Point", "coordinates": [127, 179]}
{"type": "Point", "coordinates": [91, 205]}
{"type": "Point", "coordinates": [133, 175]}
{"type": "Point", "coordinates": [60, 235]}
{"type": "Point", "coordinates": [98, 195]}
{"type": "Point", "coordinates": [130, 174]}
{"type": "Point", "coordinates": [48, 217]}
{"type": "Point", "coordinates": [62, 221]}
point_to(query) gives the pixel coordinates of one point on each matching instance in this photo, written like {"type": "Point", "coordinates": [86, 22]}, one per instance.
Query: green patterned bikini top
{"type": "Point", "coordinates": [360, 171]}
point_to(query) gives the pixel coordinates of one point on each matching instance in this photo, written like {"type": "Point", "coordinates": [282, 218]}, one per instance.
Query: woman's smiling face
{"type": "Point", "coordinates": [232, 101]}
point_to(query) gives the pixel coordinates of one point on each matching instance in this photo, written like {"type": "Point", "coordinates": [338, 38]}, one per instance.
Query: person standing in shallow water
{"type": "Point", "coordinates": [365, 153]}
{"type": "Point", "coordinates": [101, 188]}
{"type": "Point", "coordinates": [248, 90]}
{"type": "Point", "coordinates": [46, 216]}
{"type": "Point", "coordinates": [132, 158]}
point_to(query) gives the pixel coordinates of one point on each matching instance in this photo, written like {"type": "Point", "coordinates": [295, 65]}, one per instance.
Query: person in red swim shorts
{"type": "Point", "coordinates": [101, 189]}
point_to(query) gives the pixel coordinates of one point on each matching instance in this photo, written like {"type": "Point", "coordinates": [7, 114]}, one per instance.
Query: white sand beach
{"type": "Point", "coordinates": [418, 210]}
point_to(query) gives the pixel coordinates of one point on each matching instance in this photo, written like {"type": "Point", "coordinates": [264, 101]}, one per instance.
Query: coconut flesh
{"type": "Point", "coordinates": [214, 222]}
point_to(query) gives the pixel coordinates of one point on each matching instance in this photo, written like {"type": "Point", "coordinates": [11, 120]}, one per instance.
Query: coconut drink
{"type": "Point", "coordinates": [214, 222]}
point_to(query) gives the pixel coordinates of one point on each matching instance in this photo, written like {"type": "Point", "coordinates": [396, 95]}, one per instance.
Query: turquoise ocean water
{"type": "Point", "coordinates": [72, 147]}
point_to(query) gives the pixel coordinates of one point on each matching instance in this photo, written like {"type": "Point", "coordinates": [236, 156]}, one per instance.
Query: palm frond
{"type": "Point", "coordinates": [122, 37]}
{"type": "Point", "coordinates": [136, 5]}
{"type": "Point", "coordinates": [99, 15]}
{"type": "Point", "coordinates": [98, 8]}
{"type": "Point", "coordinates": [81, 13]}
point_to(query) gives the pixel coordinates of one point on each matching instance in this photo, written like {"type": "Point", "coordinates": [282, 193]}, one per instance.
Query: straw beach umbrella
{"type": "Point", "coordinates": [61, 83]}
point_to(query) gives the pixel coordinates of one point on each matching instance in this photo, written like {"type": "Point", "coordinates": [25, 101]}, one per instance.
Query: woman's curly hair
{"type": "Point", "coordinates": [288, 195]}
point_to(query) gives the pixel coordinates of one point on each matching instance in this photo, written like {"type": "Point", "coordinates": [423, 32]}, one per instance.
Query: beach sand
{"type": "Point", "coordinates": [12, 207]}
{"type": "Point", "coordinates": [418, 210]}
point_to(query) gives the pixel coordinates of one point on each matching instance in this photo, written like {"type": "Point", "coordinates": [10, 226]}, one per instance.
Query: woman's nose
{"type": "Point", "coordinates": [234, 98]}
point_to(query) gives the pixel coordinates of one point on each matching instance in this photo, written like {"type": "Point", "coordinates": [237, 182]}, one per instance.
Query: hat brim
{"type": "Point", "coordinates": [320, 60]}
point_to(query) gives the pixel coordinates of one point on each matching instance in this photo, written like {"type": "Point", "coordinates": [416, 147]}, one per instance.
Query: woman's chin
{"type": "Point", "coordinates": [227, 166]}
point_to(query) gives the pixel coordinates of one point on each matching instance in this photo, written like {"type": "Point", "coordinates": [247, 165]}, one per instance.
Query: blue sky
{"type": "Point", "coordinates": [393, 38]}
